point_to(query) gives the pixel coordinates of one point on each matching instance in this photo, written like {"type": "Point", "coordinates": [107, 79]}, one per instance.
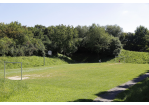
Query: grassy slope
{"type": "Point", "coordinates": [133, 57]}
{"type": "Point", "coordinates": [136, 93]}
{"type": "Point", "coordinates": [34, 61]}
{"type": "Point", "coordinates": [68, 82]}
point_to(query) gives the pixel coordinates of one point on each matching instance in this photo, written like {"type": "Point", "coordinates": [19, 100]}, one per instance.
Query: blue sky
{"type": "Point", "coordinates": [127, 15]}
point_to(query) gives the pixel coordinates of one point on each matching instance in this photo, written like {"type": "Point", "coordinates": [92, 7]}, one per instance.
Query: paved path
{"type": "Point", "coordinates": [111, 94]}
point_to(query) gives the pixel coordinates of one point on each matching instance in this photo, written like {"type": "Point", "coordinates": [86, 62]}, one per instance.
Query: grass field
{"type": "Point", "coordinates": [67, 82]}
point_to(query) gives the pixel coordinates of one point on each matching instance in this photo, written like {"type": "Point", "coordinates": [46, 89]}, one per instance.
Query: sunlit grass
{"type": "Point", "coordinates": [70, 82]}
{"type": "Point", "coordinates": [133, 57]}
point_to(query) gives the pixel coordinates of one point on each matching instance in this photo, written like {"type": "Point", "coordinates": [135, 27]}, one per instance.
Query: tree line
{"type": "Point", "coordinates": [19, 40]}
{"type": "Point", "coordinates": [138, 41]}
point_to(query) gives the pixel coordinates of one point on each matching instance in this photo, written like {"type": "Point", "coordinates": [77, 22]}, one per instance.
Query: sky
{"type": "Point", "coordinates": [126, 15]}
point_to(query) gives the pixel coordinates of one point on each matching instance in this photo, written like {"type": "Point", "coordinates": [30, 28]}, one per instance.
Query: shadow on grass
{"type": "Point", "coordinates": [82, 100]}
{"type": "Point", "coordinates": [107, 96]}
{"type": "Point", "coordinates": [138, 90]}
{"type": "Point", "coordinates": [136, 93]}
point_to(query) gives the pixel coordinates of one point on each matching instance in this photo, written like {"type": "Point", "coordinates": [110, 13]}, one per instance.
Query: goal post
{"type": "Point", "coordinates": [11, 62]}
{"type": "Point", "coordinates": [49, 53]}
{"type": "Point", "coordinates": [121, 58]}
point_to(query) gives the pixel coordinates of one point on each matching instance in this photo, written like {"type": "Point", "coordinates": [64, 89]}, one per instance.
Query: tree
{"type": "Point", "coordinates": [140, 39]}
{"type": "Point", "coordinates": [115, 46]}
{"type": "Point", "coordinates": [97, 39]}
{"type": "Point", "coordinates": [82, 30]}
{"type": "Point", "coordinates": [62, 38]}
{"type": "Point", "coordinates": [127, 39]}
{"type": "Point", "coordinates": [5, 45]}
{"type": "Point", "coordinates": [114, 30]}
{"type": "Point", "coordinates": [71, 40]}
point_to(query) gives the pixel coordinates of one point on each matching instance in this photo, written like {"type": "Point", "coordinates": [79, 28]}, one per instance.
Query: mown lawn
{"type": "Point", "coordinates": [67, 82]}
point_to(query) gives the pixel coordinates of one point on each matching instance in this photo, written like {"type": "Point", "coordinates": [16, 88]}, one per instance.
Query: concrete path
{"type": "Point", "coordinates": [111, 94]}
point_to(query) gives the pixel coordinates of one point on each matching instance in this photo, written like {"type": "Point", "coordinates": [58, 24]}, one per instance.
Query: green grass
{"type": "Point", "coordinates": [136, 93]}
{"type": "Point", "coordinates": [34, 61]}
{"type": "Point", "coordinates": [67, 82]}
{"type": "Point", "coordinates": [10, 88]}
{"type": "Point", "coordinates": [133, 57]}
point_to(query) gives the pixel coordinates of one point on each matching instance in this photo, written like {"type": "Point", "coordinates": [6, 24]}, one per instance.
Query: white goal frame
{"type": "Point", "coordinates": [11, 62]}
{"type": "Point", "coordinates": [120, 57]}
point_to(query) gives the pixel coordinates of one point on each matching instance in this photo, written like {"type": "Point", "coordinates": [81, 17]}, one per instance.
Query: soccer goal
{"type": "Point", "coordinates": [11, 62]}
{"type": "Point", "coordinates": [119, 59]}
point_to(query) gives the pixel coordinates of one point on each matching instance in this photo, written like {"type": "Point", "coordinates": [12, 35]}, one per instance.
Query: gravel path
{"type": "Point", "coordinates": [111, 94]}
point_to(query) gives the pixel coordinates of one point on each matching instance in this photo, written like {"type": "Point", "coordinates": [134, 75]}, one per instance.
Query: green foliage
{"type": "Point", "coordinates": [138, 41]}
{"type": "Point", "coordinates": [20, 40]}
{"type": "Point", "coordinates": [37, 40]}
{"type": "Point", "coordinates": [82, 31]}
{"type": "Point", "coordinates": [97, 39]}
{"type": "Point", "coordinates": [63, 38]}
{"type": "Point", "coordinates": [127, 39]}
{"type": "Point", "coordinates": [114, 30]}
{"type": "Point", "coordinates": [5, 45]}
{"type": "Point", "coordinates": [115, 46]}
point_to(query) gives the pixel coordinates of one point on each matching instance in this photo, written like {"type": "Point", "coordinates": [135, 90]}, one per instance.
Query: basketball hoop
{"type": "Point", "coordinates": [49, 52]}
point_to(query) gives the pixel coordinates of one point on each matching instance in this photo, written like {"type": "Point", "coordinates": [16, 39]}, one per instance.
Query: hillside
{"type": "Point", "coordinates": [133, 57]}
{"type": "Point", "coordinates": [34, 61]}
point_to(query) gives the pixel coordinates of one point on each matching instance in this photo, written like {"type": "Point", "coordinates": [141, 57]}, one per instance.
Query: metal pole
{"type": "Point", "coordinates": [4, 69]}
{"type": "Point", "coordinates": [21, 70]}
{"type": "Point", "coordinates": [44, 59]}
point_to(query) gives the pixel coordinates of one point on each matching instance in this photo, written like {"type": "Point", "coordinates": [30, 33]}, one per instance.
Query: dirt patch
{"type": "Point", "coordinates": [17, 78]}
{"type": "Point", "coordinates": [33, 76]}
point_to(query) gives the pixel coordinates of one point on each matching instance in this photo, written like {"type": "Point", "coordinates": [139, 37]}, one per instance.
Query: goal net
{"type": "Point", "coordinates": [119, 59]}
{"type": "Point", "coordinates": [5, 63]}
